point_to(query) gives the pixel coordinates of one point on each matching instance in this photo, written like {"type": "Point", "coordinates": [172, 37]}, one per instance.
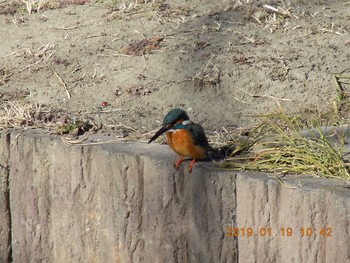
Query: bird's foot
{"type": "Point", "coordinates": [192, 164]}
{"type": "Point", "coordinates": [177, 164]}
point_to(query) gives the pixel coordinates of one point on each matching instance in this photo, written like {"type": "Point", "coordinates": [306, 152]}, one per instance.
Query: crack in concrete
{"type": "Point", "coordinates": [7, 197]}
{"type": "Point", "coordinates": [234, 219]}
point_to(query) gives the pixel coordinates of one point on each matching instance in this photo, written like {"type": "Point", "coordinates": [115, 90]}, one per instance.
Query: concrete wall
{"type": "Point", "coordinates": [124, 202]}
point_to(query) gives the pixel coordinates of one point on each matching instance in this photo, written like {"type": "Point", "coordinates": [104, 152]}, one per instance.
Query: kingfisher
{"type": "Point", "coordinates": [185, 137]}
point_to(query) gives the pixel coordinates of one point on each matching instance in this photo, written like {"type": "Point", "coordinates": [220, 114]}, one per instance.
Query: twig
{"type": "Point", "coordinates": [150, 132]}
{"type": "Point", "coordinates": [65, 28]}
{"type": "Point", "coordinates": [331, 31]}
{"type": "Point", "coordinates": [120, 125]}
{"type": "Point", "coordinates": [69, 141]}
{"type": "Point", "coordinates": [27, 67]}
{"type": "Point", "coordinates": [108, 110]}
{"type": "Point", "coordinates": [286, 185]}
{"type": "Point", "coordinates": [263, 96]}
{"type": "Point", "coordinates": [240, 100]}
{"type": "Point", "coordinates": [63, 84]}
{"type": "Point", "coordinates": [271, 8]}
{"type": "Point", "coordinates": [11, 54]}
{"type": "Point", "coordinates": [91, 36]}
{"type": "Point", "coordinates": [120, 55]}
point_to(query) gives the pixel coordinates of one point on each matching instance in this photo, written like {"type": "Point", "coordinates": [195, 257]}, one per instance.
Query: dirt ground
{"type": "Point", "coordinates": [125, 64]}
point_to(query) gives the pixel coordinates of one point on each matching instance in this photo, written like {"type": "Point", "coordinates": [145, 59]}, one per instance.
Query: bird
{"type": "Point", "coordinates": [185, 137]}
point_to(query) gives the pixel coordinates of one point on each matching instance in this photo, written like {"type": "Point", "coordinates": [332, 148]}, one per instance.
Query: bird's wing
{"type": "Point", "coordinates": [198, 134]}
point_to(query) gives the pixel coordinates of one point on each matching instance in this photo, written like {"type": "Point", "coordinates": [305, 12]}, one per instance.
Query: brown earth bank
{"type": "Point", "coordinates": [125, 64]}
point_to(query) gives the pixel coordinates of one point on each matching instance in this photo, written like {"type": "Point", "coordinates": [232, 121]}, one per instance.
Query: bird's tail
{"type": "Point", "coordinates": [220, 153]}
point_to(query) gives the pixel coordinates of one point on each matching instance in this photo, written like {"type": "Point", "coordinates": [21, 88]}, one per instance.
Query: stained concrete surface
{"type": "Point", "coordinates": [125, 202]}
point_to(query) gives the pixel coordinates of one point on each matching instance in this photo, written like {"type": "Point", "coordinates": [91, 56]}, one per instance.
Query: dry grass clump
{"type": "Point", "coordinates": [21, 114]}
{"type": "Point", "coordinates": [278, 146]}
{"type": "Point", "coordinates": [33, 6]}
{"type": "Point", "coordinates": [14, 114]}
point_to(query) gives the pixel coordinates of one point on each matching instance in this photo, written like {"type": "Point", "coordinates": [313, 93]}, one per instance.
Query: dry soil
{"type": "Point", "coordinates": [125, 64]}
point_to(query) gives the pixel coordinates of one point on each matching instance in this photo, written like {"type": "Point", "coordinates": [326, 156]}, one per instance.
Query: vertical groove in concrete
{"type": "Point", "coordinates": [234, 221]}
{"type": "Point", "coordinates": [5, 206]}
{"type": "Point", "coordinates": [8, 203]}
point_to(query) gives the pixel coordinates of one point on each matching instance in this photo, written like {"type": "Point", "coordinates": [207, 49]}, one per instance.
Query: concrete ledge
{"type": "Point", "coordinates": [125, 202]}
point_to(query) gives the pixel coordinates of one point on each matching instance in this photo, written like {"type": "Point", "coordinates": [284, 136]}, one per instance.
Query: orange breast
{"type": "Point", "coordinates": [181, 142]}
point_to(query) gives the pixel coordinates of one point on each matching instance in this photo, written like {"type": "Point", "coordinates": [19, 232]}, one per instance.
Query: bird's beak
{"type": "Point", "coordinates": [160, 132]}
